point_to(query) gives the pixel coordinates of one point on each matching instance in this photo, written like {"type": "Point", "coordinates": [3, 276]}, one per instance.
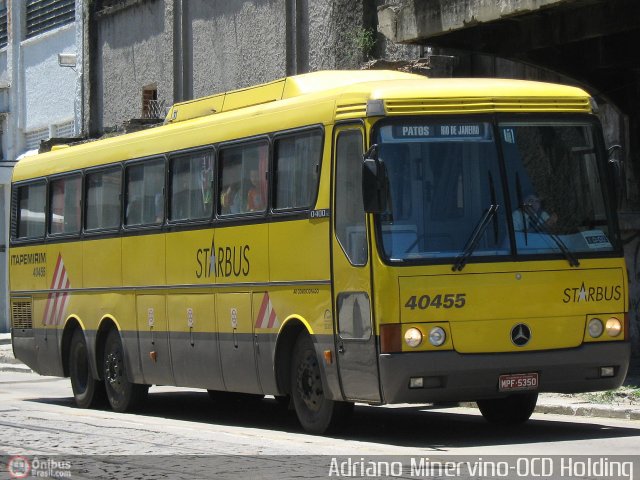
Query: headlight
{"type": "Point", "coordinates": [595, 327]}
{"type": "Point", "coordinates": [413, 337]}
{"type": "Point", "coordinates": [613, 327]}
{"type": "Point", "coordinates": [437, 336]}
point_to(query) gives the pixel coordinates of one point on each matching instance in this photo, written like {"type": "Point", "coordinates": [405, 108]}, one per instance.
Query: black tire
{"type": "Point", "coordinates": [316, 413]}
{"type": "Point", "coordinates": [512, 410]}
{"type": "Point", "coordinates": [123, 395]}
{"type": "Point", "coordinates": [88, 392]}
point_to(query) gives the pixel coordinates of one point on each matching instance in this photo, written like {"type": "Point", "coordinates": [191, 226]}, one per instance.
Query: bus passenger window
{"type": "Point", "coordinates": [103, 199]}
{"type": "Point", "coordinates": [191, 180]}
{"type": "Point", "coordinates": [243, 178]}
{"type": "Point", "coordinates": [64, 214]}
{"type": "Point", "coordinates": [145, 193]}
{"type": "Point", "coordinates": [296, 162]}
{"type": "Point", "coordinates": [349, 209]}
{"type": "Point", "coordinates": [30, 215]}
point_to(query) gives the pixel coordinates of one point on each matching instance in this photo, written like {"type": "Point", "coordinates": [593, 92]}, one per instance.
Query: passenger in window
{"type": "Point", "coordinates": [255, 197]}
{"type": "Point", "coordinates": [230, 199]}
{"type": "Point", "coordinates": [531, 216]}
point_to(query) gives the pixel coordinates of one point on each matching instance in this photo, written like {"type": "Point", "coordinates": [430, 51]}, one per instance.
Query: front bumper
{"type": "Point", "coordinates": [451, 376]}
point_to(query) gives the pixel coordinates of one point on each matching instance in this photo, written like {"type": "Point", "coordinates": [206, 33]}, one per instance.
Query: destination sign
{"type": "Point", "coordinates": [441, 131]}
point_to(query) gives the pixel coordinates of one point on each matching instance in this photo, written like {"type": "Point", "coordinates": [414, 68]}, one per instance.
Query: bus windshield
{"type": "Point", "coordinates": [448, 197]}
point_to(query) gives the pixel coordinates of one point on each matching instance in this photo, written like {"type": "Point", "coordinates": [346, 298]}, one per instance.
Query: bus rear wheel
{"type": "Point", "coordinates": [123, 395]}
{"type": "Point", "coordinates": [316, 413]}
{"type": "Point", "coordinates": [511, 410]}
{"type": "Point", "coordinates": [88, 391]}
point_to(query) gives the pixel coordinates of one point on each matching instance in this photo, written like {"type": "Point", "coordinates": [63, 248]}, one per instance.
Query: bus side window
{"type": "Point", "coordinates": [145, 193]}
{"type": "Point", "coordinates": [64, 214]}
{"type": "Point", "coordinates": [103, 199]}
{"type": "Point", "coordinates": [296, 164]}
{"type": "Point", "coordinates": [191, 179]}
{"type": "Point", "coordinates": [30, 214]}
{"type": "Point", "coordinates": [243, 178]}
{"type": "Point", "coordinates": [349, 209]}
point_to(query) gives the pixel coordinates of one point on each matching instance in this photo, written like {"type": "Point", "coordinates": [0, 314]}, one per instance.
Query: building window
{"type": "Point", "coordinates": [34, 137]}
{"type": "Point", "coordinates": [151, 106]}
{"type": "Point", "coordinates": [3, 24]}
{"type": "Point", "coordinates": [45, 15]}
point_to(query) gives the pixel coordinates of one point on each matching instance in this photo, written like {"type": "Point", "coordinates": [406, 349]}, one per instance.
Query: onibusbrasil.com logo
{"type": "Point", "coordinates": [20, 466]}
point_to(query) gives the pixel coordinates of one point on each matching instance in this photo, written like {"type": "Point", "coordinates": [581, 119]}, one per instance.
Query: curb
{"type": "Point", "coordinates": [10, 368]}
{"type": "Point", "coordinates": [579, 411]}
{"type": "Point", "coordinates": [589, 411]}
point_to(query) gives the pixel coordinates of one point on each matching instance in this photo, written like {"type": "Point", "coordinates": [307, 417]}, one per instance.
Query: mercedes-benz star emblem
{"type": "Point", "coordinates": [520, 335]}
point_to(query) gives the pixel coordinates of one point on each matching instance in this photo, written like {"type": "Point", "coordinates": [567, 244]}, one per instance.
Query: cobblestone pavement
{"type": "Point", "coordinates": [179, 431]}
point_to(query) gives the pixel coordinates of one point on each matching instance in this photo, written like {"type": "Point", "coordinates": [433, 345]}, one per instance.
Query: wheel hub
{"type": "Point", "coordinates": [112, 369]}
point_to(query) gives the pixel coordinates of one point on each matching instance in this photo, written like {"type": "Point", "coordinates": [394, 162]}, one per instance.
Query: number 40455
{"type": "Point", "coordinates": [446, 300]}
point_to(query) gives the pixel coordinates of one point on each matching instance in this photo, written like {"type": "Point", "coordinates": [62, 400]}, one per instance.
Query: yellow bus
{"type": "Point", "coordinates": [330, 238]}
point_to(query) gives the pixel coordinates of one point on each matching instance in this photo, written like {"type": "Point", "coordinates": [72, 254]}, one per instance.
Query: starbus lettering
{"type": "Point", "coordinates": [222, 261]}
{"type": "Point", "coordinates": [592, 294]}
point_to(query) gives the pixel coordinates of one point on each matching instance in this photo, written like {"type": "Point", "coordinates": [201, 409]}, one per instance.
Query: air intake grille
{"type": "Point", "coordinates": [21, 315]}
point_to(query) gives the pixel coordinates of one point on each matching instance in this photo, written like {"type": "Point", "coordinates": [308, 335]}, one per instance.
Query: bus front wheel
{"type": "Point", "coordinates": [511, 410]}
{"type": "Point", "coordinates": [123, 395]}
{"type": "Point", "coordinates": [88, 391]}
{"type": "Point", "coordinates": [316, 413]}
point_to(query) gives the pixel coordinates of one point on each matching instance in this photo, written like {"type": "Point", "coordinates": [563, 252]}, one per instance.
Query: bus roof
{"type": "Point", "coordinates": [312, 98]}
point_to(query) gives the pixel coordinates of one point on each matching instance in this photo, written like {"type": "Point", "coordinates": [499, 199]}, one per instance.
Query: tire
{"type": "Point", "coordinates": [123, 395]}
{"type": "Point", "coordinates": [316, 413]}
{"type": "Point", "coordinates": [88, 392]}
{"type": "Point", "coordinates": [512, 410]}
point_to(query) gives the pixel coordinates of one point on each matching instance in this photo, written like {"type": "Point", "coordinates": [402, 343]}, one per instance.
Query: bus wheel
{"type": "Point", "coordinates": [510, 410]}
{"type": "Point", "coordinates": [87, 391]}
{"type": "Point", "coordinates": [123, 395]}
{"type": "Point", "coordinates": [316, 413]}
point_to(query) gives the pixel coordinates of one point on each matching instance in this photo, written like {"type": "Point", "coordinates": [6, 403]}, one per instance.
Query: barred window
{"type": "Point", "coordinates": [45, 15]}
{"type": "Point", "coordinates": [3, 24]}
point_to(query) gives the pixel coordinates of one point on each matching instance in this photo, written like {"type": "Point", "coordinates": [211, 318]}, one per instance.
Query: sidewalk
{"type": "Point", "coordinates": [623, 403]}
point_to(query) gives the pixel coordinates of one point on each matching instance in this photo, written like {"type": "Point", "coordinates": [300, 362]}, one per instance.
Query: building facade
{"type": "Point", "coordinates": [40, 85]}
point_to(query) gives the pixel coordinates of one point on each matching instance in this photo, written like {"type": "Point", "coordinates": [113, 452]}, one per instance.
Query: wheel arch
{"type": "Point", "coordinates": [291, 328]}
{"type": "Point", "coordinates": [72, 324]}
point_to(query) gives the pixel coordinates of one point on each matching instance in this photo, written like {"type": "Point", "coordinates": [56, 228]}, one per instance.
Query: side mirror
{"type": "Point", "coordinates": [374, 182]}
{"type": "Point", "coordinates": [617, 171]}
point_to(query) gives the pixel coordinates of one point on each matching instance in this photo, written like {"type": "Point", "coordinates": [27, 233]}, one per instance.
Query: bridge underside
{"type": "Point", "coordinates": [595, 42]}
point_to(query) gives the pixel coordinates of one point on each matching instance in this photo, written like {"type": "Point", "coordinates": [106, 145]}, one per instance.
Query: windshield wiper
{"type": "Point", "coordinates": [474, 238]}
{"type": "Point", "coordinates": [542, 228]}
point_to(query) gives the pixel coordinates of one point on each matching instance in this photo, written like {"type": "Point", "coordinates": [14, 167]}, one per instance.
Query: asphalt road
{"type": "Point", "coordinates": [39, 419]}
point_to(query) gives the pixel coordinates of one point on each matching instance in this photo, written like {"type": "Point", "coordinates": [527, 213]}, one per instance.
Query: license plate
{"type": "Point", "coordinates": [518, 381]}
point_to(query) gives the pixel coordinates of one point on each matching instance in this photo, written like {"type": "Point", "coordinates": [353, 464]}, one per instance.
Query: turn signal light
{"type": "Point", "coordinates": [390, 337]}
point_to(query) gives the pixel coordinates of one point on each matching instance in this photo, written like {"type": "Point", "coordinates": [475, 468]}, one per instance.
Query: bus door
{"type": "Point", "coordinates": [355, 337]}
